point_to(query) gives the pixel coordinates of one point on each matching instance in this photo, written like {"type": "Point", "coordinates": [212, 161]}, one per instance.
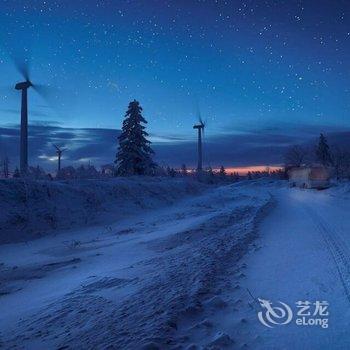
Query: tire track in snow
{"type": "Point", "coordinates": [337, 248]}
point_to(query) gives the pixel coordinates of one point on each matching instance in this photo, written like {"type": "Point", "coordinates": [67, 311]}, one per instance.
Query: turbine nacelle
{"type": "Point", "coordinates": [59, 150]}
{"type": "Point", "coordinates": [23, 85]}
{"type": "Point", "coordinates": [198, 126]}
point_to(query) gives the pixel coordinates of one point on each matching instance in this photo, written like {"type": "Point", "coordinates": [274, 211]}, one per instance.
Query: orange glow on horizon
{"type": "Point", "coordinates": [244, 169]}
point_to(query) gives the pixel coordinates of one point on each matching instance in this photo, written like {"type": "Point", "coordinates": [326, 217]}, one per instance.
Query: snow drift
{"type": "Point", "coordinates": [150, 282]}
{"type": "Point", "coordinates": [30, 209]}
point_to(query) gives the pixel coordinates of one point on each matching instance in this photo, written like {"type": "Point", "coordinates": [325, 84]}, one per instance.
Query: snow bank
{"type": "Point", "coordinates": [30, 209]}
{"type": "Point", "coordinates": [151, 289]}
{"type": "Point", "coordinates": [340, 189]}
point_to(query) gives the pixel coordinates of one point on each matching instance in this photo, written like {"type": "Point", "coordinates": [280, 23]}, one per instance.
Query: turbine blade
{"type": "Point", "coordinates": [48, 93]}
{"type": "Point", "coordinates": [23, 69]}
{"type": "Point", "coordinates": [43, 90]}
{"type": "Point", "coordinates": [21, 60]}
{"type": "Point", "coordinates": [55, 97]}
{"type": "Point", "coordinates": [199, 114]}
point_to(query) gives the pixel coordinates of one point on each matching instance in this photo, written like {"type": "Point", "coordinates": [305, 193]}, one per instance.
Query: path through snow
{"type": "Point", "coordinates": [302, 254]}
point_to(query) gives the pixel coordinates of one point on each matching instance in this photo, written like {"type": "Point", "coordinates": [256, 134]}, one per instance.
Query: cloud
{"type": "Point", "coordinates": [264, 146]}
{"type": "Point", "coordinates": [97, 145]}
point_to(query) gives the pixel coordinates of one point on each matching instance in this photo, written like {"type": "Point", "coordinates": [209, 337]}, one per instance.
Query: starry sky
{"type": "Point", "coordinates": [263, 74]}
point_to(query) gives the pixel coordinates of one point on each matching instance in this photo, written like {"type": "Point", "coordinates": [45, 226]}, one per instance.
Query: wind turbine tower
{"type": "Point", "coordinates": [200, 128]}
{"type": "Point", "coordinates": [22, 66]}
{"type": "Point", "coordinates": [24, 86]}
{"type": "Point", "coordinates": [59, 152]}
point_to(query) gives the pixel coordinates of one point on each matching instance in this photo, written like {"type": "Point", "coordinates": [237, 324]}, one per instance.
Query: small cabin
{"type": "Point", "coordinates": [309, 177]}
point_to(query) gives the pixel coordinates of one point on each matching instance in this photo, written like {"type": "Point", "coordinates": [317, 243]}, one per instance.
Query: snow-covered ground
{"type": "Point", "coordinates": [30, 209]}
{"type": "Point", "coordinates": [302, 254]}
{"type": "Point", "coordinates": [127, 284]}
{"type": "Point", "coordinates": [186, 274]}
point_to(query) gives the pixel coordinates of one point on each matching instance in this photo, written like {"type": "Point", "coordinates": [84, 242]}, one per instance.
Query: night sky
{"type": "Point", "coordinates": [264, 74]}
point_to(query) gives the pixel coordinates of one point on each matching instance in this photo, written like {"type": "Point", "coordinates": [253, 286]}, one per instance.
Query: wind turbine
{"type": "Point", "coordinates": [23, 69]}
{"type": "Point", "coordinates": [24, 86]}
{"type": "Point", "coordinates": [59, 152]}
{"type": "Point", "coordinates": [200, 128]}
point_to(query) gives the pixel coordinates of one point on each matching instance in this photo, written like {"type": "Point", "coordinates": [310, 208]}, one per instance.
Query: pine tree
{"type": "Point", "coordinates": [322, 152]}
{"type": "Point", "coordinates": [134, 155]}
{"type": "Point", "coordinates": [184, 171]}
{"type": "Point", "coordinates": [172, 172]}
{"type": "Point", "coordinates": [222, 171]}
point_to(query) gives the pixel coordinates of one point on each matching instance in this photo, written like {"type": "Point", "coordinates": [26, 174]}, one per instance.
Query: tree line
{"type": "Point", "coordinates": [335, 157]}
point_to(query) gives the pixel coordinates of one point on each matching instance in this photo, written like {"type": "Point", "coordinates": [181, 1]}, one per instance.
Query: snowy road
{"type": "Point", "coordinates": [302, 255]}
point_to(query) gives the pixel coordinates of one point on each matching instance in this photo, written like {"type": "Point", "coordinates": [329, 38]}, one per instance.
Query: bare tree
{"type": "Point", "coordinates": [341, 163]}
{"type": "Point", "coordinates": [296, 156]}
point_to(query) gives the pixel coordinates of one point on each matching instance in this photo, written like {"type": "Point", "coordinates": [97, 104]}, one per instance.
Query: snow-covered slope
{"type": "Point", "coordinates": [141, 283]}
{"type": "Point", "coordinates": [30, 209]}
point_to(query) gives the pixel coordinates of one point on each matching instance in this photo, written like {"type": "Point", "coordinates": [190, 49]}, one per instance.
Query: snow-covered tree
{"type": "Point", "coordinates": [341, 163]}
{"type": "Point", "coordinates": [134, 155]}
{"type": "Point", "coordinates": [171, 171]}
{"type": "Point", "coordinates": [222, 171]}
{"type": "Point", "coordinates": [160, 171]}
{"type": "Point", "coordinates": [66, 173]}
{"type": "Point", "coordinates": [322, 151]}
{"type": "Point", "coordinates": [36, 173]}
{"type": "Point", "coordinates": [86, 172]}
{"type": "Point", "coordinates": [107, 170]}
{"type": "Point", "coordinates": [235, 176]}
{"type": "Point", "coordinates": [210, 172]}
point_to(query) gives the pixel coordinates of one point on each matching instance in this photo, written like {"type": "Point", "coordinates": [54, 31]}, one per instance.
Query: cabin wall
{"type": "Point", "coordinates": [309, 177]}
